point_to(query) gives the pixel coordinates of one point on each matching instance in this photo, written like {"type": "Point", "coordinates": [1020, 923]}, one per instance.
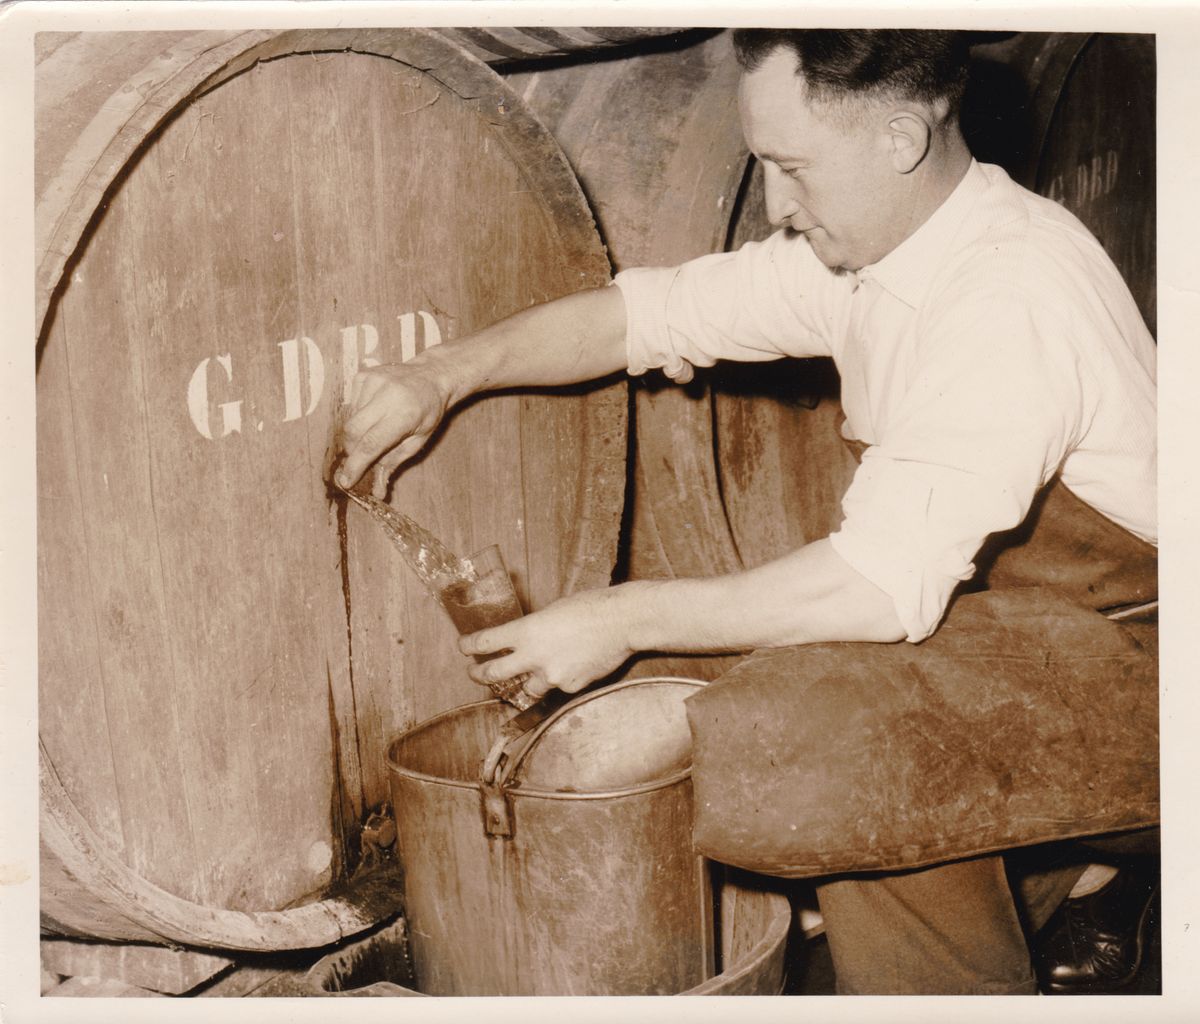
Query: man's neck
{"type": "Point", "coordinates": [938, 175]}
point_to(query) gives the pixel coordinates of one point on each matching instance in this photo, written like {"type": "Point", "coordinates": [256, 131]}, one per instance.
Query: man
{"type": "Point", "coordinates": [986, 346]}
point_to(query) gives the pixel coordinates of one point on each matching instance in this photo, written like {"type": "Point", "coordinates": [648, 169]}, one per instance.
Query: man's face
{"type": "Point", "coordinates": [827, 175]}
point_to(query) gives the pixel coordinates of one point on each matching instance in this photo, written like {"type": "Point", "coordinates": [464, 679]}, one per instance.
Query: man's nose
{"type": "Point", "coordinates": [777, 187]}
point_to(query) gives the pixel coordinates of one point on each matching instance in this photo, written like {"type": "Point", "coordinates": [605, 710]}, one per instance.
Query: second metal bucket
{"type": "Point", "coordinates": [595, 890]}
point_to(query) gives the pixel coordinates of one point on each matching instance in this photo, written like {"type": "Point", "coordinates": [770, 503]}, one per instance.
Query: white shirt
{"type": "Point", "coordinates": [996, 347]}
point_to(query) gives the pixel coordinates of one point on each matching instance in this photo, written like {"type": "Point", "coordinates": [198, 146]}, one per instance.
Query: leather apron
{"type": "Point", "coordinates": [1029, 716]}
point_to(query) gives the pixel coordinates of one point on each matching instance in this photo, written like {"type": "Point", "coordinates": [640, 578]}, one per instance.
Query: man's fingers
{"type": "Point", "coordinates": [496, 670]}
{"type": "Point", "coordinates": [404, 451]}
{"type": "Point", "coordinates": [379, 482]}
{"type": "Point", "coordinates": [391, 413]}
{"type": "Point", "coordinates": [389, 462]}
{"type": "Point", "coordinates": [369, 449]}
{"type": "Point", "coordinates": [493, 672]}
{"type": "Point", "coordinates": [364, 440]}
{"type": "Point", "coordinates": [365, 387]}
{"type": "Point", "coordinates": [488, 641]}
{"type": "Point", "coordinates": [536, 686]}
{"type": "Point", "coordinates": [376, 431]}
{"type": "Point", "coordinates": [352, 467]}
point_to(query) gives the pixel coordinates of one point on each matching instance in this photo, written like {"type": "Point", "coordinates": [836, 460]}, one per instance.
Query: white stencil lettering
{"type": "Point", "coordinates": [408, 333]}
{"type": "Point", "coordinates": [290, 353]}
{"type": "Point", "coordinates": [197, 400]}
{"type": "Point", "coordinates": [360, 349]}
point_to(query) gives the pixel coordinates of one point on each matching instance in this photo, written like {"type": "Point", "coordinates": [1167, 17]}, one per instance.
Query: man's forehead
{"type": "Point", "coordinates": [778, 107]}
{"type": "Point", "coordinates": [774, 104]}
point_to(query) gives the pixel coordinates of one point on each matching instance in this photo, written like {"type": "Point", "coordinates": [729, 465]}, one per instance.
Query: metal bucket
{"type": "Point", "coordinates": [572, 873]}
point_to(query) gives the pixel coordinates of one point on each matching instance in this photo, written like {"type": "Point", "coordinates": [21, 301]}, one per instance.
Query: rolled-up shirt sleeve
{"type": "Point", "coordinates": [993, 406]}
{"type": "Point", "coordinates": [767, 300]}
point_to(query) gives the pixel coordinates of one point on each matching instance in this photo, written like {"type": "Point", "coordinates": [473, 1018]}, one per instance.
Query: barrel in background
{"type": "Point", "coordinates": [1073, 117]}
{"type": "Point", "coordinates": [224, 649]}
{"type": "Point", "coordinates": [656, 142]}
{"type": "Point", "coordinates": [500, 44]}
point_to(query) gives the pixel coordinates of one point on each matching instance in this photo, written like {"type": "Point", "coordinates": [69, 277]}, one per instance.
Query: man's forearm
{"type": "Point", "coordinates": [577, 338]}
{"type": "Point", "coordinates": [808, 596]}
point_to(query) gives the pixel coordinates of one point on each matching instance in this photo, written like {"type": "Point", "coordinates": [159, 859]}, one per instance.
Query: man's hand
{"type": "Point", "coordinates": [393, 411]}
{"type": "Point", "coordinates": [565, 646]}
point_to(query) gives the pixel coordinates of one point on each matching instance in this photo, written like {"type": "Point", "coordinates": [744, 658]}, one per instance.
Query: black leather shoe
{"type": "Point", "coordinates": [1093, 945]}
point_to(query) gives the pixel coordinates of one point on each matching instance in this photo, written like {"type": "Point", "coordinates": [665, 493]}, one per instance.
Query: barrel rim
{"type": "Point", "coordinates": [517, 789]}
{"type": "Point", "coordinates": [161, 915]}
{"type": "Point", "coordinates": [774, 938]}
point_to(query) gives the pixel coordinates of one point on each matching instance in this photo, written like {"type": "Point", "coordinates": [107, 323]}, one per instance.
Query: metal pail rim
{"type": "Point", "coordinates": [516, 789]}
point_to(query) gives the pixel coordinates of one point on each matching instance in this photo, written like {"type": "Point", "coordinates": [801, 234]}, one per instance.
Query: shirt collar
{"type": "Point", "coordinates": [906, 271]}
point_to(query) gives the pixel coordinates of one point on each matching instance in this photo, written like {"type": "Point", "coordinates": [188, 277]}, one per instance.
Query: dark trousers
{"type": "Point", "coordinates": [955, 929]}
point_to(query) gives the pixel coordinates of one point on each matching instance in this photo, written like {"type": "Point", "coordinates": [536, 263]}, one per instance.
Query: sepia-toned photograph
{"type": "Point", "coordinates": [637, 510]}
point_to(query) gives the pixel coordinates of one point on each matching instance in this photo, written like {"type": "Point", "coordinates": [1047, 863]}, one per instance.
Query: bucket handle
{"type": "Point", "coordinates": [516, 736]}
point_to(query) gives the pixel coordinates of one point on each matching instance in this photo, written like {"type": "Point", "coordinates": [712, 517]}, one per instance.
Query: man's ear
{"type": "Point", "coordinates": [908, 137]}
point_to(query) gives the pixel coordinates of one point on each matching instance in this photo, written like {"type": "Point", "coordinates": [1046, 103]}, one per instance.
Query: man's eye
{"type": "Point", "coordinates": [795, 173]}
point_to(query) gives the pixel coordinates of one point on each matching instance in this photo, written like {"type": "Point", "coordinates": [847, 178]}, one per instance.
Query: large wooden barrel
{"type": "Point", "coordinates": [781, 462]}
{"type": "Point", "coordinates": [764, 469]}
{"type": "Point", "coordinates": [228, 226]}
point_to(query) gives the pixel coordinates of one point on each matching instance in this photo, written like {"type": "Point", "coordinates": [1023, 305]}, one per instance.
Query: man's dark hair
{"type": "Point", "coordinates": [840, 63]}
